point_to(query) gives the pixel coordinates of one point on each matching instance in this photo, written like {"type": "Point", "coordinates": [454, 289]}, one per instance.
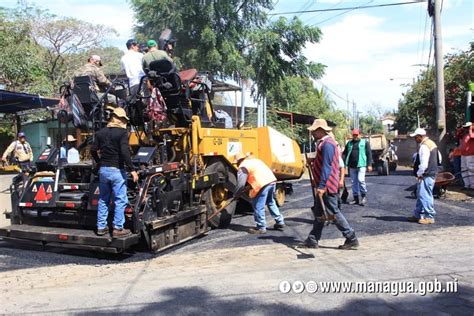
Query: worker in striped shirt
{"type": "Point", "coordinates": [326, 182]}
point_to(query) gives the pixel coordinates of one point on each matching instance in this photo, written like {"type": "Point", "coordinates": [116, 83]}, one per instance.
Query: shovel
{"type": "Point", "coordinates": [224, 205]}
{"type": "Point", "coordinates": [326, 216]}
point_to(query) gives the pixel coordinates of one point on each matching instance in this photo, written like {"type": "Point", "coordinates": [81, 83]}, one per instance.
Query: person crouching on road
{"type": "Point", "coordinates": [262, 182]}
{"type": "Point", "coordinates": [426, 168]}
{"type": "Point", "coordinates": [326, 181]}
{"type": "Point", "coordinates": [358, 158]}
{"type": "Point", "coordinates": [112, 142]}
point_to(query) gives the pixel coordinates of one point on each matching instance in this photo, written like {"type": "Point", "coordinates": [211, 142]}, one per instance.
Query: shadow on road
{"type": "Point", "coordinates": [299, 220]}
{"type": "Point", "coordinates": [388, 218]}
{"type": "Point", "coordinates": [198, 301]}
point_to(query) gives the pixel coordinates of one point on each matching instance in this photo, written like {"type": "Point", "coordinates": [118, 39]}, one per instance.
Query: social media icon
{"type": "Point", "coordinates": [311, 287]}
{"type": "Point", "coordinates": [298, 287]}
{"type": "Point", "coordinates": [285, 287]}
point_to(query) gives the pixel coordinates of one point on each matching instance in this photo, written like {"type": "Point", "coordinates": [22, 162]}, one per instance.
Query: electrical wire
{"type": "Point", "coordinates": [345, 12]}
{"type": "Point", "coordinates": [350, 8]}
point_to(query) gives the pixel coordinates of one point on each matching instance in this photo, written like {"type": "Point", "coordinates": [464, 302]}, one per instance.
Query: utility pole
{"type": "Point", "coordinates": [354, 114]}
{"type": "Point", "coordinates": [242, 103]}
{"type": "Point", "coordinates": [435, 11]}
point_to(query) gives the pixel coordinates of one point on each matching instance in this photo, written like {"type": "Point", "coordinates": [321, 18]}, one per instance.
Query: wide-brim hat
{"type": "Point", "coordinates": [240, 156]}
{"type": "Point", "coordinates": [320, 123]}
{"type": "Point", "coordinates": [70, 138]}
{"type": "Point", "coordinates": [120, 113]}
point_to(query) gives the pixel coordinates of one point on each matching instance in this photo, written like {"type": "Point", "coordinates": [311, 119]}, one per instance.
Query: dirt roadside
{"type": "Point", "coordinates": [245, 278]}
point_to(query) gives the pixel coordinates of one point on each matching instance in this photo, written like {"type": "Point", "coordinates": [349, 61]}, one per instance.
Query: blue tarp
{"type": "Point", "coordinates": [13, 102]}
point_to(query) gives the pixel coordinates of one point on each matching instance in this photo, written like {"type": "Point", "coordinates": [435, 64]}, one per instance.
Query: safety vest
{"type": "Point", "coordinates": [362, 161]}
{"type": "Point", "coordinates": [259, 175]}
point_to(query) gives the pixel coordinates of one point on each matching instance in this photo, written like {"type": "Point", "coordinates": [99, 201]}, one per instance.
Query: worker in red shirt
{"type": "Point", "coordinates": [466, 145]}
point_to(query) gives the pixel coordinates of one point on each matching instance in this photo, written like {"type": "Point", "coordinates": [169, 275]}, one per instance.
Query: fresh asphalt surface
{"type": "Point", "coordinates": [390, 202]}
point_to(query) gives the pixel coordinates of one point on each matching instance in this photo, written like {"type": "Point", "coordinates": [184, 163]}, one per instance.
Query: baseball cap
{"type": "Point", "coordinates": [355, 131]}
{"type": "Point", "coordinates": [151, 43]}
{"type": "Point", "coordinates": [468, 124]}
{"type": "Point", "coordinates": [418, 131]}
{"type": "Point", "coordinates": [131, 42]}
{"type": "Point", "coordinates": [96, 58]}
{"type": "Point", "coordinates": [21, 134]}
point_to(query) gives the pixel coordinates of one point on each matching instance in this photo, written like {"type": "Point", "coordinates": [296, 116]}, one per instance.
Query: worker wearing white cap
{"type": "Point", "coordinates": [92, 69]}
{"type": "Point", "coordinates": [426, 167]}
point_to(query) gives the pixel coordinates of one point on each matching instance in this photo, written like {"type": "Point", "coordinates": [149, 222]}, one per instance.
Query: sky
{"type": "Point", "coordinates": [362, 49]}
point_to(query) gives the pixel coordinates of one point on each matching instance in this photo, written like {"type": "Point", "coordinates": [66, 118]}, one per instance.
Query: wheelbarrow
{"type": "Point", "coordinates": [443, 179]}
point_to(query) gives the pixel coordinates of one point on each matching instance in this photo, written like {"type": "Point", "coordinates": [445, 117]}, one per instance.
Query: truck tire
{"type": "Point", "coordinates": [385, 170]}
{"type": "Point", "coordinates": [280, 195]}
{"type": "Point", "coordinates": [219, 193]}
{"type": "Point", "coordinates": [392, 166]}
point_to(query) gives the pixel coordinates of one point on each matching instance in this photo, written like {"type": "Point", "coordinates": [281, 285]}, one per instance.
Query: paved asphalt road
{"type": "Point", "coordinates": [410, 251]}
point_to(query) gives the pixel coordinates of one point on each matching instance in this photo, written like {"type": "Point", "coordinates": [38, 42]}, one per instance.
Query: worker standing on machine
{"type": "Point", "coordinates": [112, 143]}
{"type": "Point", "coordinates": [262, 182]}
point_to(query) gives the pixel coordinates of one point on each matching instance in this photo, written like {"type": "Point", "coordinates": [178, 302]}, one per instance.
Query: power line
{"type": "Point", "coordinates": [335, 16]}
{"type": "Point", "coordinates": [334, 6]}
{"type": "Point", "coordinates": [349, 8]}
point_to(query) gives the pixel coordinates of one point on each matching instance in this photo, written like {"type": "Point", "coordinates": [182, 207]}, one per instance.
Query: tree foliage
{"type": "Point", "coordinates": [211, 35]}
{"type": "Point", "coordinates": [40, 50]}
{"type": "Point", "coordinates": [298, 95]}
{"type": "Point", "coordinates": [232, 38]}
{"type": "Point", "coordinates": [419, 99]}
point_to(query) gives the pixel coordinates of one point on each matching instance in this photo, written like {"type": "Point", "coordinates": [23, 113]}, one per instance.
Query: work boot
{"type": "Point", "coordinates": [355, 201]}
{"type": "Point", "coordinates": [350, 243]}
{"type": "Point", "coordinates": [102, 231]}
{"type": "Point", "coordinates": [363, 201]}
{"type": "Point", "coordinates": [307, 245]}
{"type": "Point", "coordinates": [117, 233]}
{"type": "Point", "coordinates": [279, 226]}
{"type": "Point", "coordinates": [413, 219]}
{"type": "Point", "coordinates": [257, 231]}
{"type": "Point", "coordinates": [426, 221]}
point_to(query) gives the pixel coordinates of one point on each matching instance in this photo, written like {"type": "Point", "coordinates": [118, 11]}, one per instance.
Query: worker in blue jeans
{"type": "Point", "coordinates": [426, 168]}
{"type": "Point", "coordinates": [112, 142]}
{"type": "Point", "coordinates": [262, 189]}
{"type": "Point", "coordinates": [358, 158]}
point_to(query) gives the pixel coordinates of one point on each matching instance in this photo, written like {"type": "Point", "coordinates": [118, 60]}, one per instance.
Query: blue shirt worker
{"type": "Point", "coordinates": [68, 152]}
{"type": "Point", "coordinates": [358, 158]}
{"type": "Point", "coordinates": [426, 168]}
{"type": "Point", "coordinates": [262, 189]}
{"type": "Point", "coordinates": [326, 183]}
{"type": "Point", "coordinates": [112, 143]}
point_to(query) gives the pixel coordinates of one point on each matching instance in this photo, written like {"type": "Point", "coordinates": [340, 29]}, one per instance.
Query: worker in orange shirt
{"type": "Point", "coordinates": [262, 188]}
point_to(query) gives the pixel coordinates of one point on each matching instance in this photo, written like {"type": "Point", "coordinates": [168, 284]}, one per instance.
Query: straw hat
{"type": "Point", "coordinates": [240, 156]}
{"type": "Point", "coordinates": [320, 123]}
{"type": "Point", "coordinates": [70, 138]}
{"type": "Point", "coordinates": [120, 113]}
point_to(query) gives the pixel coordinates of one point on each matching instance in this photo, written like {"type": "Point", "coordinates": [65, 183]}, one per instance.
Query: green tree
{"type": "Point", "coordinates": [211, 35]}
{"type": "Point", "coordinates": [20, 57]}
{"type": "Point", "coordinates": [232, 38]}
{"type": "Point", "coordinates": [418, 101]}
{"type": "Point", "coordinates": [370, 124]}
